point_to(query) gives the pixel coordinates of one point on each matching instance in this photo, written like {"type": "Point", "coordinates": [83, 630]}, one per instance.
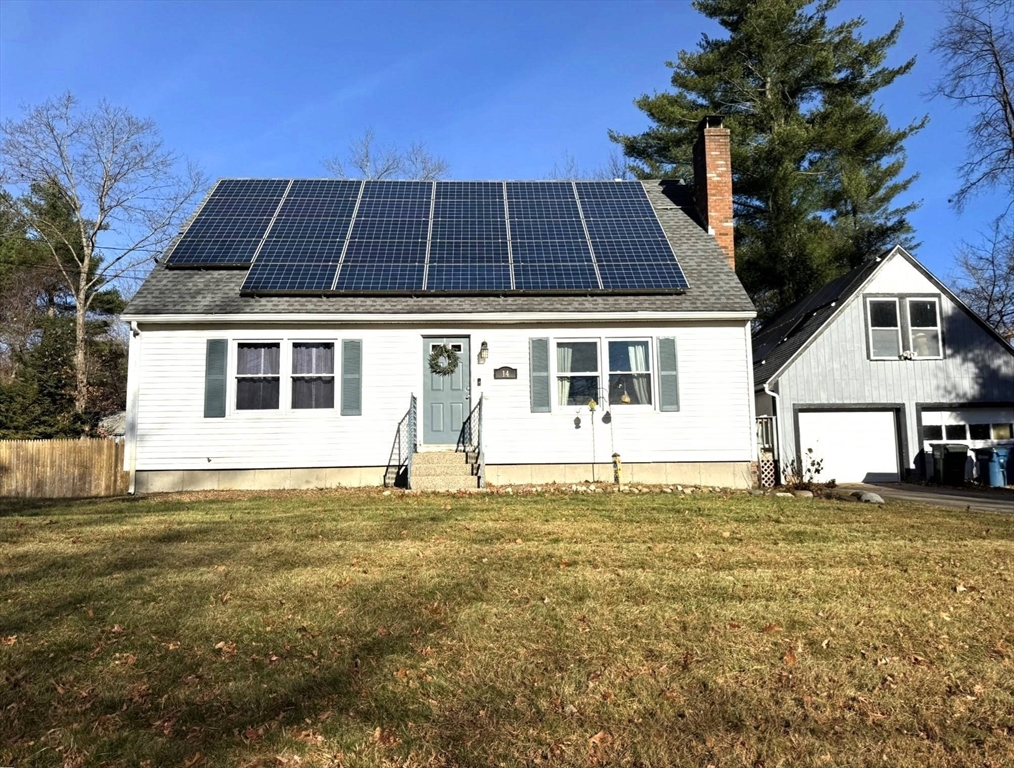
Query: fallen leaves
{"type": "Point", "coordinates": [228, 649]}
{"type": "Point", "coordinates": [769, 629]}
{"type": "Point", "coordinates": [9, 640]}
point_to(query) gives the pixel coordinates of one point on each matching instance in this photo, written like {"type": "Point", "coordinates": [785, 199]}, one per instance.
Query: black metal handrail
{"type": "Point", "coordinates": [399, 463]}
{"type": "Point", "coordinates": [470, 439]}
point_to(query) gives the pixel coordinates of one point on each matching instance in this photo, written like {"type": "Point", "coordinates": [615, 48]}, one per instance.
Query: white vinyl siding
{"type": "Point", "coordinates": [714, 422]}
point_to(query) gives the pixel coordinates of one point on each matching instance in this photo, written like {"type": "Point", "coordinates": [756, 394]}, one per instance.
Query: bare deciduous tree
{"type": "Point", "coordinates": [368, 159]}
{"type": "Point", "coordinates": [977, 49]}
{"type": "Point", "coordinates": [986, 282]}
{"type": "Point", "coordinates": [126, 193]}
{"type": "Point", "coordinates": [568, 169]}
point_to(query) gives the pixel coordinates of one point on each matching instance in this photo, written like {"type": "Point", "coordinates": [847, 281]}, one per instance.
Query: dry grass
{"type": "Point", "coordinates": [353, 629]}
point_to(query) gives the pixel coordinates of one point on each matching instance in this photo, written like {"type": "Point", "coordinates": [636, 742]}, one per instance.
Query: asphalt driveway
{"type": "Point", "coordinates": [996, 500]}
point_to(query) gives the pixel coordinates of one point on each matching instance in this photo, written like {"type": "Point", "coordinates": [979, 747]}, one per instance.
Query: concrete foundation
{"type": "Point", "coordinates": [723, 474]}
{"type": "Point", "coordinates": [165, 481]}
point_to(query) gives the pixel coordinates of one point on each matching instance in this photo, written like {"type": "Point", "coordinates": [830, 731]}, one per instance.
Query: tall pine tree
{"type": "Point", "coordinates": [816, 166]}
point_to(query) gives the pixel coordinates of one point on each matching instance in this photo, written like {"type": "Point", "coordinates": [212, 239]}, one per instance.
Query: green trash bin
{"type": "Point", "coordinates": [949, 463]}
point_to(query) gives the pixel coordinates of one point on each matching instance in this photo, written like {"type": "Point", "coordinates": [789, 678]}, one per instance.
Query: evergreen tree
{"type": "Point", "coordinates": [816, 167]}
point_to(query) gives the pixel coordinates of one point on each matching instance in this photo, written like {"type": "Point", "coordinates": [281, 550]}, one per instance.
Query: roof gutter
{"type": "Point", "coordinates": [497, 318]}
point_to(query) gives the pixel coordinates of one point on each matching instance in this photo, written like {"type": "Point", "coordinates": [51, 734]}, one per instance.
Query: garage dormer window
{"type": "Point", "coordinates": [885, 329]}
{"type": "Point", "coordinates": [924, 328]}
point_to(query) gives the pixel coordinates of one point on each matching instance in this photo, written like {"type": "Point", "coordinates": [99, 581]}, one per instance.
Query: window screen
{"type": "Point", "coordinates": [924, 328]}
{"type": "Point", "coordinates": [629, 373]}
{"type": "Point", "coordinates": [577, 368]}
{"type": "Point", "coordinates": [313, 375]}
{"type": "Point", "coordinates": [257, 376]}
{"type": "Point", "coordinates": [885, 331]}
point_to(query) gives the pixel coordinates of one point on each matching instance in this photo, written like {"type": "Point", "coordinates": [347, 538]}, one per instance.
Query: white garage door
{"type": "Point", "coordinates": [856, 446]}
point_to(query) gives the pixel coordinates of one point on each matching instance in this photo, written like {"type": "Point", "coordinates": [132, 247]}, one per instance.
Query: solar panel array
{"type": "Point", "coordinates": [323, 236]}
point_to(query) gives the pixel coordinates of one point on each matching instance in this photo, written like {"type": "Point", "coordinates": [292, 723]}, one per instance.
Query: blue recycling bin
{"type": "Point", "coordinates": [998, 468]}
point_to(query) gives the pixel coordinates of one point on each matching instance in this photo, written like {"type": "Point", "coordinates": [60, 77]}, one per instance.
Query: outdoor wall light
{"type": "Point", "coordinates": [483, 352]}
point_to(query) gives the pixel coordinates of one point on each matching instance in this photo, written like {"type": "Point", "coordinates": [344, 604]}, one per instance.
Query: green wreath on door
{"type": "Point", "coordinates": [443, 360]}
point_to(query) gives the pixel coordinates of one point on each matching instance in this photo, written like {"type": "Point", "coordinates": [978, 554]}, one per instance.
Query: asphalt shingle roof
{"type": "Point", "coordinates": [714, 286]}
{"type": "Point", "coordinates": [784, 335]}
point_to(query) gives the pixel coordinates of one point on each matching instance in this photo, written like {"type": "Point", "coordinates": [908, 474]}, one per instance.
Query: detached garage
{"type": "Point", "coordinates": [873, 370]}
{"type": "Point", "coordinates": [855, 446]}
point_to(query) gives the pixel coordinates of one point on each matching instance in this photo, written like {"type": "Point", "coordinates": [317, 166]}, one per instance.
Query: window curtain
{"type": "Point", "coordinates": [564, 357]}
{"type": "Point", "coordinates": [258, 360]}
{"type": "Point", "coordinates": [638, 352]}
{"type": "Point", "coordinates": [309, 359]}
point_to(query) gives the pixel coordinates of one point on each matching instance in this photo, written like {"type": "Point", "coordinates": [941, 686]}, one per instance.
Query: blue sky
{"type": "Point", "coordinates": [499, 89]}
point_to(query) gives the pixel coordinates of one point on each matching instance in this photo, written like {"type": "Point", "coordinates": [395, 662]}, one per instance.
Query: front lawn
{"type": "Point", "coordinates": [355, 629]}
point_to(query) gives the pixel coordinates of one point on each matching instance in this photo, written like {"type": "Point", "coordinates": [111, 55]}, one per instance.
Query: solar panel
{"type": "Point", "coordinates": [390, 229]}
{"type": "Point", "coordinates": [227, 228]}
{"type": "Point", "coordinates": [288, 277]}
{"type": "Point", "coordinates": [434, 236]}
{"type": "Point", "coordinates": [555, 277]}
{"type": "Point", "coordinates": [367, 276]}
{"type": "Point", "coordinates": [306, 228]}
{"type": "Point", "coordinates": [469, 276]}
{"type": "Point", "coordinates": [220, 253]}
{"type": "Point", "coordinates": [325, 188]}
{"type": "Point", "coordinates": [252, 187]}
{"type": "Point", "coordinates": [466, 251]}
{"type": "Point", "coordinates": [469, 190]}
{"type": "Point", "coordinates": [397, 190]}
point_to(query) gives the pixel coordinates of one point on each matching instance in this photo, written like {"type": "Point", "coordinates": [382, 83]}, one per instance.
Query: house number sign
{"type": "Point", "coordinates": [505, 373]}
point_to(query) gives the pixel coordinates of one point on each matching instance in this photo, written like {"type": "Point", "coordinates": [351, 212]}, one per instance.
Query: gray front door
{"type": "Point", "coordinates": [445, 398]}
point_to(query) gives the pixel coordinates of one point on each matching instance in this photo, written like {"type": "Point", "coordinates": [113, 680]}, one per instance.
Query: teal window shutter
{"type": "Point", "coordinates": [352, 377]}
{"type": "Point", "coordinates": [215, 359]}
{"type": "Point", "coordinates": [539, 354]}
{"type": "Point", "coordinates": [668, 375]}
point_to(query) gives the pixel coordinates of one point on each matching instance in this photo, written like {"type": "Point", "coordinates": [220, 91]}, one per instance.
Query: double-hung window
{"type": "Point", "coordinates": [629, 373]}
{"type": "Point", "coordinates": [924, 327]}
{"type": "Point", "coordinates": [312, 375]}
{"type": "Point", "coordinates": [577, 372]}
{"type": "Point", "coordinates": [885, 329]}
{"type": "Point", "coordinates": [258, 369]}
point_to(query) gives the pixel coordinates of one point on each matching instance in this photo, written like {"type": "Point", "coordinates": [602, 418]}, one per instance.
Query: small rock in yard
{"type": "Point", "coordinates": [784, 495]}
{"type": "Point", "coordinates": [755, 492]}
{"type": "Point", "coordinates": [386, 493]}
{"type": "Point", "coordinates": [871, 498]}
{"type": "Point", "coordinates": [803, 494]}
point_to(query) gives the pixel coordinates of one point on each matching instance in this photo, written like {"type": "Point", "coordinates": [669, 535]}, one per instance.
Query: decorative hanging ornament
{"type": "Point", "coordinates": [443, 360]}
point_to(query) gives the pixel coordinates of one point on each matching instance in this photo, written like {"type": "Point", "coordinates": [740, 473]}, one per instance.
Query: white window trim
{"type": "Point", "coordinates": [652, 377]}
{"type": "Point", "coordinates": [938, 328]}
{"type": "Point", "coordinates": [284, 409]}
{"type": "Point", "coordinates": [235, 376]}
{"type": "Point", "coordinates": [554, 370]}
{"type": "Point", "coordinates": [335, 365]}
{"type": "Point", "coordinates": [869, 326]}
{"type": "Point", "coordinates": [603, 372]}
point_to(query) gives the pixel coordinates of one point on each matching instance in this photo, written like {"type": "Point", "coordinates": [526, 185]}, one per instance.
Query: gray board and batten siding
{"type": "Point", "coordinates": [835, 369]}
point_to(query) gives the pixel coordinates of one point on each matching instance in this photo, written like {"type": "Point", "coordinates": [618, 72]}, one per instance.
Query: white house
{"type": "Point", "coordinates": [302, 334]}
{"type": "Point", "coordinates": [875, 368]}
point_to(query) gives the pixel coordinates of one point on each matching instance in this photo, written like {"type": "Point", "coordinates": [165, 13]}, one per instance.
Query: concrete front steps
{"type": "Point", "coordinates": [444, 471]}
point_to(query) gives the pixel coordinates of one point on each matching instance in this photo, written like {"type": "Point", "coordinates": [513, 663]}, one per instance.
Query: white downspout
{"type": "Point", "coordinates": [133, 392]}
{"type": "Point", "coordinates": [778, 432]}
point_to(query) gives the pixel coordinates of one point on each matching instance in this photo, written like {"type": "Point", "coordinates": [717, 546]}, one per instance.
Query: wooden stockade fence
{"type": "Point", "coordinates": [45, 469]}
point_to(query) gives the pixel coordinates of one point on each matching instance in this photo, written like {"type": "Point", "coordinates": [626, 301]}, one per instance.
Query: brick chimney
{"type": "Point", "coordinates": [713, 182]}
